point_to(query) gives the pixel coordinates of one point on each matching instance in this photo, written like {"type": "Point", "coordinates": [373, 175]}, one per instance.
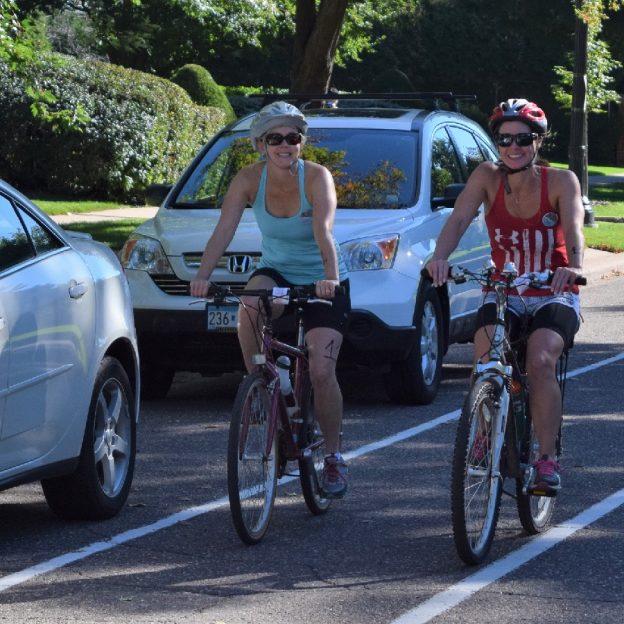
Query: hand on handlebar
{"type": "Point", "coordinates": [564, 277]}
{"type": "Point", "coordinates": [439, 271]}
{"type": "Point", "coordinates": [200, 288]}
{"type": "Point", "coordinates": [326, 289]}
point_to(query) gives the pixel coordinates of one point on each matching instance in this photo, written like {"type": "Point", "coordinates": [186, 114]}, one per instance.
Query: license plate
{"type": "Point", "coordinates": [222, 318]}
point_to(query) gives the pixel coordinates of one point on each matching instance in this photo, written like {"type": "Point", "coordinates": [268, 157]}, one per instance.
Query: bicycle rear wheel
{"type": "Point", "coordinates": [535, 512]}
{"type": "Point", "coordinates": [252, 472]}
{"type": "Point", "coordinates": [475, 492]}
{"type": "Point", "coordinates": [311, 464]}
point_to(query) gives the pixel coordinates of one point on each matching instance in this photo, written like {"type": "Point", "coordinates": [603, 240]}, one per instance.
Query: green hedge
{"type": "Point", "coordinates": [136, 129]}
{"type": "Point", "coordinates": [202, 89]}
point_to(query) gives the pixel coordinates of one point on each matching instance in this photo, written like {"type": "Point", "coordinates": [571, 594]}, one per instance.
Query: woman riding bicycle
{"type": "Point", "coordinates": [534, 217]}
{"type": "Point", "coordinates": [294, 202]}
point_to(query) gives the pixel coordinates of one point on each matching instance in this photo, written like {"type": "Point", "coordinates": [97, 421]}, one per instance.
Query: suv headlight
{"type": "Point", "coordinates": [368, 254]}
{"type": "Point", "coordinates": [145, 254]}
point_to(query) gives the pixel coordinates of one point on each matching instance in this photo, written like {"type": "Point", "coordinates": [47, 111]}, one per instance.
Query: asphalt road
{"type": "Point", "coordinates": [383, 554]}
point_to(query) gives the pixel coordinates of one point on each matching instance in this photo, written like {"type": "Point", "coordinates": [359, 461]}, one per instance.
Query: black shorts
{"type": "Point", "coordinates": [555, 316]}
{"type": "Point", "coordinates": [334, 316]}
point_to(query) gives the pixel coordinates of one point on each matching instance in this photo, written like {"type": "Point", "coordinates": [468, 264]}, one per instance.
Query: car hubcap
{"type": "Point", "coordinates": [112, 438]}
{"type": "Point", "coordinates": [429, 343]}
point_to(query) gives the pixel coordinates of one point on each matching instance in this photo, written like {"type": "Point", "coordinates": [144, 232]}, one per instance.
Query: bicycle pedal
{"type": "Point", "coordinates": [542, 491]}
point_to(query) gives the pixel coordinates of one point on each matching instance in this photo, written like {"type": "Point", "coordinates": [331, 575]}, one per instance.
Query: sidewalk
{"type": "Point", "coordinates": [143, 212]}
{"type": "Point", "coordinates": [600, 265]}
{"type": "Point", "coordinates": [601, 180]}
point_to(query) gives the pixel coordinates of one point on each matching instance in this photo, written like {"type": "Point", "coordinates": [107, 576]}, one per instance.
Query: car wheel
{"type": "Point", "coordinates": [415, 380]}
{"type": "Point", "coordinates": [156, 380]}
{"type": "Point", "coordinates": [99, 486]}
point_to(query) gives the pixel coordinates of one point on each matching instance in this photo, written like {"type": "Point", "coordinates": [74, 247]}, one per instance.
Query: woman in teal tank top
{"type": "Point", "coordinates": [294, 202]}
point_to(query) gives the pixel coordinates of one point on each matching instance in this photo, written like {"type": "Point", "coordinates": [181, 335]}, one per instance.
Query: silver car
{"type": "Point", "coordinates": [69, 365]}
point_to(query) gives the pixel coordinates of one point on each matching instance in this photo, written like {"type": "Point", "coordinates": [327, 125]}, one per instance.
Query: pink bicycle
{"type": "Point", "coordinates": [272, 423]}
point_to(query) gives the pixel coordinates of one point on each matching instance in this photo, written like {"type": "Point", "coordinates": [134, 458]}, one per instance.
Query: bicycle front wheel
{"type": "Point", "coordinates": [535, 512]}
{"type": "Point", "coordinates": [252, 460]}
{"type": "Point", "coordinates": [312, 443]}
{"type": "Point", "coordinates": [475, 490]}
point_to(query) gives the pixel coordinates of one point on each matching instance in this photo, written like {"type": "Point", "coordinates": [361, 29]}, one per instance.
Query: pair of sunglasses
{"type": "Point", "coordinates": [275, 138]}
{"type": "Point", "coordinates": [522, 139]}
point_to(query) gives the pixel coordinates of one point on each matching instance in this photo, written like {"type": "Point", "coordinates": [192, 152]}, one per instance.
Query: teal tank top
{"type": "Point", "coordinates": [288, 244]}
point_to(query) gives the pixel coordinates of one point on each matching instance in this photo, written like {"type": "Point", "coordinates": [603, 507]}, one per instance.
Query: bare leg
{"type": "Point", "coordinates": [250, 320]}
{"type": "Point", "coordinates": [482, 342]}
{"type": "Point", "coordinates": [544, 348]}
{"type": "Point", "coordinates": [323, 347]}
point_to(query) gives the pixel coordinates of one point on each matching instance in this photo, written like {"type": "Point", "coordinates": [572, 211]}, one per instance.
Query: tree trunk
{"type": "Point", "coordinates": [577, 150]}
{"type": "Point", "coordinates": [316, 39]}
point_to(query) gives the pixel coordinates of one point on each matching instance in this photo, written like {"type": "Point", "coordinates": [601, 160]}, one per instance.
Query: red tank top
{"type": "Point", "coordinates": [534, 244]}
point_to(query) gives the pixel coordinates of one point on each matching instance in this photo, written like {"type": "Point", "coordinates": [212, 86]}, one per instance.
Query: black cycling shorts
{"type": "Point", "coordinates": [555, 316]}
{"type": "Point", "coordinates": [334, 316]}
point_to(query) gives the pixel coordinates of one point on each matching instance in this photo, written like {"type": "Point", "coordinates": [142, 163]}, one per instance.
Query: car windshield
{"type": "Point", "coordinates": [372, 169]}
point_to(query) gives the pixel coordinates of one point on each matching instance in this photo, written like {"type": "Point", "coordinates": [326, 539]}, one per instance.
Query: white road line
{"type": "Point", "coordinates": [454, 595]}
{"type": "Point", "coordinates": [17, 578]}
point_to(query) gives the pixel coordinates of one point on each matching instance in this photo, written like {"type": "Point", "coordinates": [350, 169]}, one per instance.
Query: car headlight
{"type": "Point", "coordinates": [145, 254]}
{"type": "Point", "coordinates": [368, 254]}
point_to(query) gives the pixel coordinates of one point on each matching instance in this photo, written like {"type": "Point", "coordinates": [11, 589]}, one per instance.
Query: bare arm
{"type": "Point", "coordinates": [322, 194]}
{"type": "Point", "coordinates": [236, 198]}
{"type": "Point", "coordinates": [571, 213]}
{"type": "Point", "coordinates": [465, 210]}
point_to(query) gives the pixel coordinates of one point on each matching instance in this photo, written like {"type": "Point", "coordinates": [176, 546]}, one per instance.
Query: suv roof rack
{"type": "Point", "coordinates": [321, 99]}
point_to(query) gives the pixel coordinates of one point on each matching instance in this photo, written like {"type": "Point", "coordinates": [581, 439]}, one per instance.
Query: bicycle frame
{"type": "Point", "coordinates": [502, 373]}
{"type": "Point", "coordinates": [267, 360]}
{"type": "Point", "coordinates": [498, 371]}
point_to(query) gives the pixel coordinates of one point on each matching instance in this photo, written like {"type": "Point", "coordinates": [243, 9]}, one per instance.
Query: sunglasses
{"type": "Point", "coordinates": [523, 139]}
{"type": "Point", "coordinates": [275, 138]}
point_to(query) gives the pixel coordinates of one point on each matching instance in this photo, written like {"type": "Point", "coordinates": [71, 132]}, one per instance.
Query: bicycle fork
{"type": "Point", "coordinates": [498, 427]}
{"type": "Point", "coordinates": [497, 373]}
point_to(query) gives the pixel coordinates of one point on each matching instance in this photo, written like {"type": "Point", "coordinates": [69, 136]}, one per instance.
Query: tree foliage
{"type": "Point", "coordinates": [288, 43]}
{"type": "Point", "coordinates": [600, 63]}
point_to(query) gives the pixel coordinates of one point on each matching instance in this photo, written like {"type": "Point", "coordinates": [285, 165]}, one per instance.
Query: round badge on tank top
{"type": "Point", "coordinates": [550, 219]}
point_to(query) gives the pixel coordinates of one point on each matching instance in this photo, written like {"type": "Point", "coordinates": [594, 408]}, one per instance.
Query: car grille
{"type": "Point", "coordinates": [243, 262]}
{"type": "Point", "coordinates": [172, 285]}
{"type": "Point", "coordinates": [237, 263]}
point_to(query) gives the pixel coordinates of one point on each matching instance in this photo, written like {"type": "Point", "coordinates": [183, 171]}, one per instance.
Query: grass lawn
{"type": "Point", "coordinates": [113, 233]}
{"type": "Point", "coordinates": [73, 206]}
{"type": "Point", "coordinates": [607, 200]}
{"type": "Point", "coordinates": [593, 169]}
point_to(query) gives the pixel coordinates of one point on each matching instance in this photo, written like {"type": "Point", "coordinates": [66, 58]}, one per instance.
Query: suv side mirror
{"type": "Point", "coordinates": [451, 193]}
{"type": "Point", "coordinates": [156, 193]}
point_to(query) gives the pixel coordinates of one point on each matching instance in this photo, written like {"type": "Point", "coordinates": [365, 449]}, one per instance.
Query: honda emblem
{"type": "Point", "coordinates": [239, 264]}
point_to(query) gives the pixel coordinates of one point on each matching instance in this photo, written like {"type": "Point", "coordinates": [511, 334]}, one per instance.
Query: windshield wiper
{"type": "Point", "coordinates": [189, 205]}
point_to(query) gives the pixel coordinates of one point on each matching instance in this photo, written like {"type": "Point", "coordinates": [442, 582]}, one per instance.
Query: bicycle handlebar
{"type": "Point", "coordinates": [299, 294]}
{"type": "Point", "coordinates": [459, 275]}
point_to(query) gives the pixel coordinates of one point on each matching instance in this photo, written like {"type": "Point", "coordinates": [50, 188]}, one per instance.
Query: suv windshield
{"type": "Point", "coordinates": [372, 169]}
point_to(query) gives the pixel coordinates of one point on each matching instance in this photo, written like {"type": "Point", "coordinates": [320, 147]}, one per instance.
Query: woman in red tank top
{"type": "Point", "coordinates": [534, 217]}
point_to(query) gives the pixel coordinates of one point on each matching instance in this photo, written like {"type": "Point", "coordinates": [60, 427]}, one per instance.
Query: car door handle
{"type": "Point", "coordinates": [77, 290]}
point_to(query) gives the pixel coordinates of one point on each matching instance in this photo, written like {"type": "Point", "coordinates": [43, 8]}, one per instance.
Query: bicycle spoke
{"type": "Point", "coordinates": [475, 489]}
{"type": "Point", "coordinates": [252, 472]}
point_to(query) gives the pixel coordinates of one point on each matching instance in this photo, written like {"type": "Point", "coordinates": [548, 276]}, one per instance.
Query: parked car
{"type": "Point", "coordinates": [69, 367]}
{"type": "Point", "coordinates": [397, 172]}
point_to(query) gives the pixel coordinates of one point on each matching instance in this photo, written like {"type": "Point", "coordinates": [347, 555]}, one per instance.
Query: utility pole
{"type": "Point", "coordinates": [577, 151]}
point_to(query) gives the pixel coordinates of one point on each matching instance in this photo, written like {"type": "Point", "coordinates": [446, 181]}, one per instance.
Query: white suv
{"type": "Point", "coordinates": [397, 173]}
